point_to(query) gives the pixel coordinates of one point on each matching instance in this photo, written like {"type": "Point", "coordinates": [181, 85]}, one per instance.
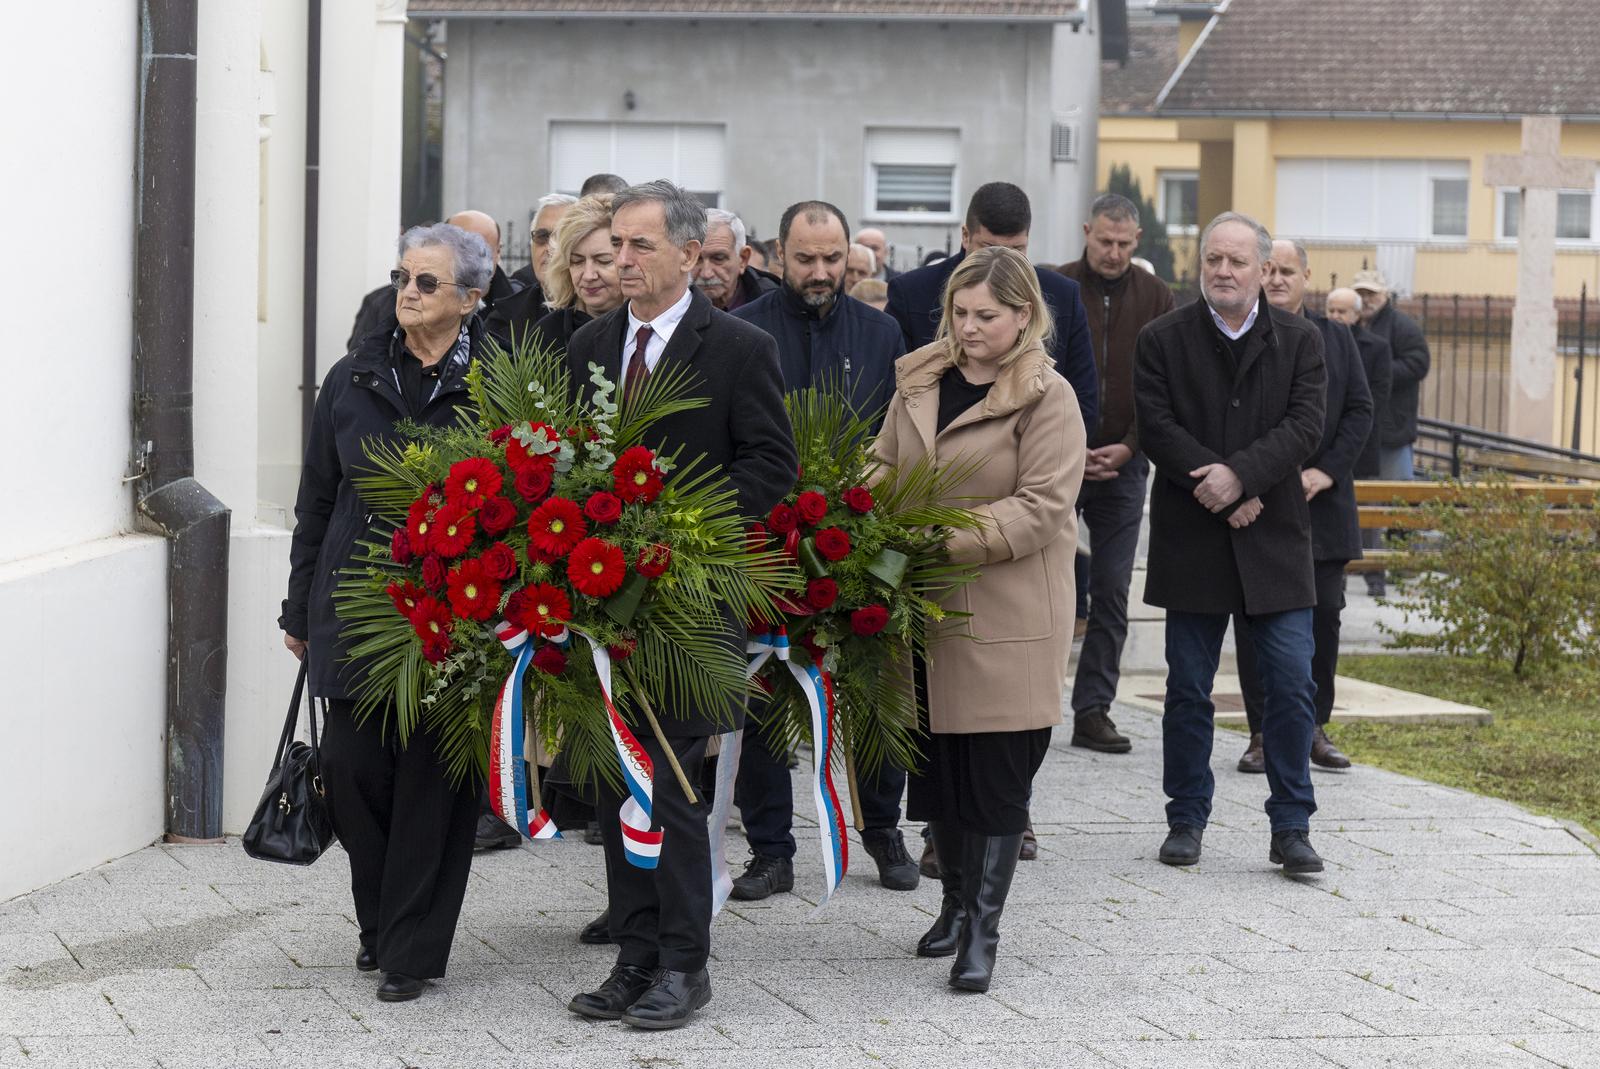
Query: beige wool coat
{"type": "Point", "coordinates": [1001, 668]}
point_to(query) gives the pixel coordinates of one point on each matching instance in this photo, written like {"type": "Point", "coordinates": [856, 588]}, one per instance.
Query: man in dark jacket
{"type": "Point", "coordinates": [1344, 306]}
{"type": "Point", "coordinates": [1120, 299]}
{"type": "Point", "coordinates": [725, 275]}
{"type": "Point", "coordinates": [826, 339]}
{"type": "Point", "coordinates": [661, 918]}
{"type": "Point", "coordinates": [1328, 477]}
{"type": "Point", "coordinates": [1229, 394]}
{"type": "Point", "coordinates": [1408, 347]}
{"type": "Point", "coordinates": [999, 214]}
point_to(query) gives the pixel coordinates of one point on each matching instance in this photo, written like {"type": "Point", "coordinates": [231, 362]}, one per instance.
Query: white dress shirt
{"type": "Point", "coordinates": [1233, 335]}
{"type": "Point", "coordinates": [661, 329]}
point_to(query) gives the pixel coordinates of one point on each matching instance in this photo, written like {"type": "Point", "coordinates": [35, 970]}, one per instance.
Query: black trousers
{"type": "Point", "coordinates": [1330, 580]}
{"type": "Point", "coordinates": [661, 917]}
{"type": "Point", "coordinates": [408, 834]}
{"type": "Point", "coordinates": [1113, 511]}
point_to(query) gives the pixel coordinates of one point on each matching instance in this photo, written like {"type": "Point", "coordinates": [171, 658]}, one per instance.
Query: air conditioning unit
{"type": "Point", "coordinates": [1064, 142]}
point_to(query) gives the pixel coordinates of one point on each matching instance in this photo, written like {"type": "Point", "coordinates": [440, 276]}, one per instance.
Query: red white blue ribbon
{"type": "Point", "coordinates": [508, 775]}
{"type": "Point", "coordinates": [640, 845]}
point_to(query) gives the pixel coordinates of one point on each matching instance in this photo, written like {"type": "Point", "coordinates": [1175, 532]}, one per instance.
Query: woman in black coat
{"type": "Point", "coordinates": [406, 829]}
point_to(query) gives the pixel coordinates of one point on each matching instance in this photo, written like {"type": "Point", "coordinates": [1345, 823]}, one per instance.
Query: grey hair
{"type": "Point", "coordinates": [1263, 235]}
{"type": "Point", "coordinates": [720, 217]}
{"type": "Point", "coordinates": [1299, 250]}
{"type": "Point", "coordinates": [686, 216]}
{"type": "Point", "coordinates": [474, 263]}
{"type": "Point", "coordinates": [554, 200]}
{"type": "Point", "coordinates": [1360, 304]}
{"type": "Point", "coordinates": [1116, 207]}
{"type": "Point", "coordinates": [872, 257]}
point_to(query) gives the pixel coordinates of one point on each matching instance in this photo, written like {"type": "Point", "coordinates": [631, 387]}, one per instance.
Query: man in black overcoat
{"type": "Point", "coordinates": [1229, 394]}
{"type": "Point", "coordinates": [661, 918]}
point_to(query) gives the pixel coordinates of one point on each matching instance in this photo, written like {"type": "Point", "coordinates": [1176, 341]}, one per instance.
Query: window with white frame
{"type": "Point", "coordinates": [1373, 200]}
{"type": "Point", "coordinates": [690, 155]}
{"type": "Point", "coordinates": [911, 173]}
{"type": "Point", "coordinates": [1575, 215]}
{"type": "Point", "coordinates": [1178, 200]}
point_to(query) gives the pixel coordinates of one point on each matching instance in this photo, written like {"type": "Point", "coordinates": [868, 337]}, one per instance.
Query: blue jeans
{"type": "Point", "coordinates": [1396, 462]}
{"type": "Point", "coordinates": [1284, 647]}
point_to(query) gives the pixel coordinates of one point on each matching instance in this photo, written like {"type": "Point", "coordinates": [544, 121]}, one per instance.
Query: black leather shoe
{"type": "Point", "coordinates": [987, 865]}
{"type": "Point", "coordinates": [887, 847]}
{"type": "Point", "coordinates": [929, 864]}
{"type": "Point", "coordinates": [591, 834]}
{"type": "Point", "coordinates": [1254, 758]}
{"type": "Point", "coordinates": [1324, 754]}
{"type": "Point", "coordinates": [941, 940]}
{"type": "Point", "coordinates": [611, 999]}
{"type": "Point", "coordinates": [764, 877]}
{"type": "Point", "coordinates": [398, 987]}
{"type": "Point", "coordinates": [1292, 850]}
{"type": "Point", "coordinates": [494, 834]}
{"type": "Point", "coordinates": [367, 960]}
{"type": "Point", "coordinates": [598, 931]}
{"type": "Point", "coordinates": [1182, 846]}
{"type": "Point", "coordinates": [670, 1000]}
{"type": "Point", "coordinates": [1094, 730]}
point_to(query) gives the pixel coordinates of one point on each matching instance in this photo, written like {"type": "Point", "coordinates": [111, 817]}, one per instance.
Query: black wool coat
{"type": "Point", "coordinates": [743, 430]}
{"type": "Point", "coordinates": [1263, 419]}
{"type": "Point", "coordinates": [1397, 425]}
{"type": "Point", "coordinates": [1335, 530]}
{"type": "Point", "coordinates": [359, 400]}
{"type": "Point", "coordinates": [1377, 360]}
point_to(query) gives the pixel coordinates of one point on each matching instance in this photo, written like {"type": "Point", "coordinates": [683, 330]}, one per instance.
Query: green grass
{"type": "Point", "coordinates": [1542, 751]}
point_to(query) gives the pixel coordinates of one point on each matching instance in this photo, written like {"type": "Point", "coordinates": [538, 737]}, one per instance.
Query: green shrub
{"type": "Point", "coordinates": [1503, 578]}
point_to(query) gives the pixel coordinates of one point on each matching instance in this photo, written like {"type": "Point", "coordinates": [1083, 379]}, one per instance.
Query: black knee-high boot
{"type": "Point", "coordinates": [987, 863]}
{"type": "Point", "coordinates": [941, 939]}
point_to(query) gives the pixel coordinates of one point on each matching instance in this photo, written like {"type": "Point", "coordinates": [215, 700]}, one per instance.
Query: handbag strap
{"type": "Point", "coordinates": [289, 724]}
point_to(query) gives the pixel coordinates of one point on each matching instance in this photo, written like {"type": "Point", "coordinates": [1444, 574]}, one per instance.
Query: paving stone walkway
{"type": "Point", "coordinates": [1449, 930]}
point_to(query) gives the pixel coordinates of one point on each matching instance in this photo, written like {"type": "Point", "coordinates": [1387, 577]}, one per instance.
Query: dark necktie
{"type": "Point", "coordinates": [638, 370]}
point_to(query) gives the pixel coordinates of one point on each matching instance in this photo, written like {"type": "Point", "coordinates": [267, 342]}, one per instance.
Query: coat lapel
{"type": "Point", "coordinates": [685, 341]}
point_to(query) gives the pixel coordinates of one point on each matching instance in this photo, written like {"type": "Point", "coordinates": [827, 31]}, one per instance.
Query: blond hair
{"type": "Point", "coordinates": [1014, 283]}
{"type": "Point", "coordinates": [587, 215]}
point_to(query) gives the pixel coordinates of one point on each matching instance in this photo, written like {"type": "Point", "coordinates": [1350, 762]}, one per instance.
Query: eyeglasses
{"type": "Point", "coordinates": [426, 284]}
{"type": "Point", "coordinates": [542, 236]}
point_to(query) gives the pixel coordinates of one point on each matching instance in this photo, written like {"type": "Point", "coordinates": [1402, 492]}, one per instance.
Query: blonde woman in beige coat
{"type": "Point", "coordinates": [986, 388]}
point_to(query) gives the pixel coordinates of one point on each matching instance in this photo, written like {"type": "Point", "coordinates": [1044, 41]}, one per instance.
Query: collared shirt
{"type": "Point", "coordinates": [1229, 332]}
{"type": "Point", "coordinates": [661, 329]}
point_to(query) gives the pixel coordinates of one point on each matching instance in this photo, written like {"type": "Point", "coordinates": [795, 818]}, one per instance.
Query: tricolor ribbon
{"type": "Point", "coordinates": [640, 845]}
{"type": "Point", "coordinates": [508, 774]}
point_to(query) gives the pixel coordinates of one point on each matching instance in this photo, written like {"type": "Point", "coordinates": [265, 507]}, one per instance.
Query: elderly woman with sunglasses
{"type": "Point", "coordinates": [406, 829]}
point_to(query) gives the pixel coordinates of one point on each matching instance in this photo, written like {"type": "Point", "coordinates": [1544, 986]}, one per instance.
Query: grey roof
{"type": "Point", "coordinates": [1470, 58]}
{"type": "Point", "coordinates": [930, 10]}
{"type": "Point", "coordinates": [1131, 88]}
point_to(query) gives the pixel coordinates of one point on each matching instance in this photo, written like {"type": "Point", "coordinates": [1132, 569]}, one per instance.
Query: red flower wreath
{"type": "Point", "coordinates": [472, 480]}
{"type": "Point", "coordinates": [596, 568]}
{"type": "Point", "coordinates": [555, 527]}
{"type": "Point", "coordinates": [811, 507]}
{"type": "Point", "coordinates": [474, 593]}
{"type": "Point", "coordinates": [833, 543]}
{"type": "Point", "coordinates": [453, 528]}
{"type": "Point", "coordinates": [635, 477]}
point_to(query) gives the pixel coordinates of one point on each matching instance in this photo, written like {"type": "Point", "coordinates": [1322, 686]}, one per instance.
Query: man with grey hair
{"type": "Point", "coordinates": [1344, 305]}
{"type": "Point", "coordinates": [550, 209]}
{"type": "Point", "coordinates": [860, 263]}
{"type": "Point", "coordinates": [660, 918]}
{"type": "Point", "coordinates": [725, 275]}
{"type": "Point", "coordinates": [878, 242]}
{"type": "Point", "coordinates": [1229, 396]}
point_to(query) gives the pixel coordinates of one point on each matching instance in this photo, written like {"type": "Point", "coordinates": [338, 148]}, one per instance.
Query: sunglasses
{"type": "Point", "coordinates": [426, 284]}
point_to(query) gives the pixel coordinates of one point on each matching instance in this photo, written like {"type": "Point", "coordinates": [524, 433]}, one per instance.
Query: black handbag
{"type": "Point", "coordinates": [291, 822]}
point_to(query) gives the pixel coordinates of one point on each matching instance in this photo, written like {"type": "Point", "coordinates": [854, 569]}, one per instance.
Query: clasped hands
{"type": "Point", "coordinates": [1220, 487]}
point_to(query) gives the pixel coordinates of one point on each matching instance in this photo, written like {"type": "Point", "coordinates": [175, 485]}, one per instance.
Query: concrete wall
{"type": "Point", "coordinates": [795, 99]}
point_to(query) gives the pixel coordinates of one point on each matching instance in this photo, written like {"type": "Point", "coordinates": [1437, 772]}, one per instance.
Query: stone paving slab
{"type": "Point", "coordinates": [1449, 930]}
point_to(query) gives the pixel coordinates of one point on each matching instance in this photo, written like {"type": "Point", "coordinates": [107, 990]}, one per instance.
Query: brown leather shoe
{"type": "Point", "coordinates": [1093, 730]}
{"type": "Point", "coordinates": [928, 865]}
{"type": "Point", "coordinates": [1029, 850]}
{"type": "Point", "coordinates": [1255, 758]}
{"type": "Point", "coordinates": [1324, 753]}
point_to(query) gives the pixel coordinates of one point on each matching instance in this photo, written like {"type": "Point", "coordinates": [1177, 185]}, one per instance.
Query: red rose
{"type": "Point", "coordinates": [496, 515]}
{"type": "Point", "coordinates": [869, 620]}
{"type": "Point", "coordinates": [653, 560]}
{"type": "Point", "coordinates": [499, 561]}
{"type": "Point", "coordinates": [603, 507]}
{"type": "Point", "coordinates": [432, 620]}
{"type": "Point", "coordinates": [596, 568]}
{"type": "Point", "coordinates": [400, 546]}
{"type": "Point", "coordinates": [809, 642]}
{"type": "Point", "coordinates": [472, 480]}
{"type": "Point", "coordinates": [432, 572]}
{"type": "Point", "coordinates": [435, 650]}
{"type": "Point", "coordinates": [453, 528]}
{"type": "Point", "coordinates": [499, 435]}
{"type": "Point", "coordinates": [406, 597]}
{"type": "Point", "coordinates": [623, 648]}
{"type": "Point", "coordinates": [833, 543]}
{"type": "Point", "coordinates": [555, 527]}
{"type": "Point", "coordinates": [419, 524]}
{"type": "Point", "coordinates": [755, 537]}
{"type": "Point", "coordinates": [859, 499]}
{"type": "Point", "coordinates": [635, 477]}
{"type": "Point", "coordinates": [533, 480]}
{"type": "Point", "coordinates": [550, 659]}
{"type": "Point", "coordinates": [541, 608]}
{"type": "Point", "coordinates": [517, 455]}
{"type": "Point", "coordinates": [821, 593]}
{"type": "Point", "coordinates": [783, 519]}
{"type": "Point", "coordinates": [811, 507]}
{"type": "Point", "coordinates": [474, 593]}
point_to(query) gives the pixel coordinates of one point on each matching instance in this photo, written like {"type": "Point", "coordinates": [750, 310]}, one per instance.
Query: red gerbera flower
{"type": "Point", "coordinates": [419, 524]}
{"type": "Point", "coordinates": [496, 515]}
{"type": "Point", "coordinates": [540, 608]}
{"type": "Point", "coordinates": [517, 454]}
{"type": "Point", "coordinates": [635, 477]}
{"type": "Point", "coordinates": [869, 620]}
{"type": "Point", "coordinates": [859, 499]}
{"type": "Point", "coordinates": [534, 478]}
{"type": "Point", "coordinates": [472, 480]}
{"type": "Point", "coordinates": [499, 561]}
{"type": "Point", "coordinates": [474, 593]}
{"type": "Point", "coordinates": [432, 620]}
{"type": "Point", "coordinates": [406, 597]}
{"type": "Point", "coordinates": [653, 560]}
{"type": "Point", "coordinates": [556, 526]}
{"type": "Point", "coordinates": [400, 546]}
{"type": "Point", "coordinates": [603, 507]}
{"type": "Point", "coordinates": [453, 528]}
{"type": "Point", "coordinates": [596, 568]}
{"type": "Point", "coordinates": [833, 543]}
{"type": "Point", "coordinates": [549, 659]}
{"type": "Point", "coordinates": [811, 507]}
{"type": "Point", "coordinates": [783, 519]}
{"type": "Point", "coordinates": [821, 593]}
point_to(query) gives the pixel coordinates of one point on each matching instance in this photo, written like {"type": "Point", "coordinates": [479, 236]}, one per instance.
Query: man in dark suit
{"type": "Point", "coordinates": [999, 214]}
{"type": "Point", "coordinates": [1327, 477]}
{"type": "Point", "coordinates": [1229, 394]}
{"type": "Point", "coordinates": [661, 918]}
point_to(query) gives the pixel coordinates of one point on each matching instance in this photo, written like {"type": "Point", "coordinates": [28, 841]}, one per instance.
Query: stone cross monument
{"type": "Point", "coordinates": [1540, 172]}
